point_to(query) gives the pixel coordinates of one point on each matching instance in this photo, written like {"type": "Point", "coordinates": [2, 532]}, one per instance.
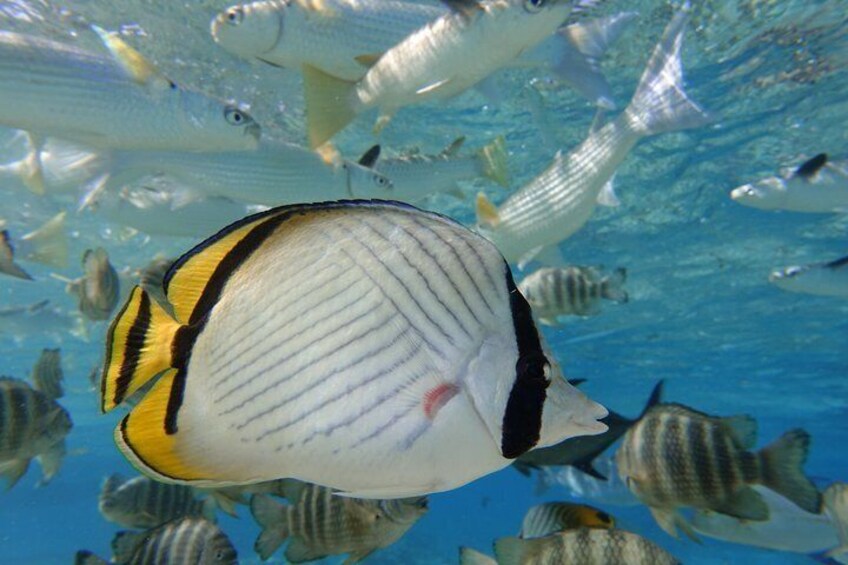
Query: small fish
{"type": "Point", "coordinates": [142, 503]}
{"type": "Point", "coordinates": [319, 523]}
{"type": "Point", "coordinates": [268, 372]}
{"type": "Point", "coordinates": [559, 202]}
{"type": "Point", "coordinates": [581, 452]}
{"type": "Point", "coordinates": [836, 506]}
{"type": "Point", "coordinates": [33, 426]}
{"type": "Point", "coordinates": [587, 546]}
{"type": "Point", "coordinates": [98, 289]}
{"type": "Point", "coordinates": [275, 173]}
{"type": "Point", "coordinates": [46, 245]}
{"type": "Point", "coordinates": [788, 528]}
{"type": "Point", "coordinates": [438, 61]}
{"type": "Point", "coordinates": [189, 540]}
{"type": "Point", "coordinates": [415, 176]}
{"type": "Point", "coordinates": [552, 517]}
{"type": "Point", "coordinates": [817, 186]}
{"type": "Point", "coordinates": [824, 279]}
{"type": "Point", "coordinates": [117, 101]}
{"type": "Point", "coordinates": [341, 38]}
{"type": "Point", "coordinates": [47, 375]}
{"type": "Point", "coordinates": [677, 457]}
{"type": "Point", "coordinates": [573, 290]}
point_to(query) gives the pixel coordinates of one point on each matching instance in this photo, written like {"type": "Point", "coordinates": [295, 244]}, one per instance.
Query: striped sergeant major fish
{"type": "Point", "coordinates": [677, 457]}
{"type": "Point", "coordinates": [97, 291]}
{"type": "Point", "coordinates": [33, 426]}
{"type": "Point", "coordinates": [389, 330]}
{"type": "Point", "coordinates": [558, 203]}
{"type": "Point", "coordinates": [47, 374]}
{"type": "Point", "coordinates": [573, 290]}
{"type": "Point", "coordinates": [824, 279]}
{"type": "Point", "coordinates": [188, 540]}
{"type": "Point", "coordinates": [552, 517]}
{"type": "Point", "coordinates": [142, 503]}
{"type": "Point", "coordinates": [818, 185]}
{"type": "Point", "coordinates": [319, 523]}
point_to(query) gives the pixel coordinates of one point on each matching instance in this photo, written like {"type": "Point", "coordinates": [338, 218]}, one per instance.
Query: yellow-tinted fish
{"type": "Point", "coordinates": [551, 517]}
{"type": "Point", "coordinates": [320, 523]}
{"type": "Point", "coordinates": [585, 546]}
{"type": "Point", "coordinates": [364, 345]}
{"type": "Point", "coordinates": [97, 290]}
{"type": "Point", "coordinates": [142, 503]}
{"type": "Point", "coordinates": [677, 457]}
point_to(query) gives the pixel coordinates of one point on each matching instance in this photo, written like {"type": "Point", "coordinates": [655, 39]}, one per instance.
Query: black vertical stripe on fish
{"type": "Point", "coordinates": [583, 291]}
{"type": "Point", "coordinates": [571, 288]}
{"type": "Point", "coordinates": [132, 350]}
{"type": "Point", "coordinates": [557, 284]}
{"type": "Point", "coordinates": [20, 418]}
{"type": "Point", "coordinates": [703, 453]}
{"type": "Point", "coordinates": [725, 465]}
{"type": "Point", "coordinates": [522, 421]}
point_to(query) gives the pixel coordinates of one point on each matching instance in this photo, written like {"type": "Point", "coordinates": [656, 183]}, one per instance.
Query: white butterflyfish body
{"type": "Point", "coordinates": [559, 202]}
{"type": "Point", "coordinates": [367, 346]}
{"type": "Point", "coordinates": [116, 102]}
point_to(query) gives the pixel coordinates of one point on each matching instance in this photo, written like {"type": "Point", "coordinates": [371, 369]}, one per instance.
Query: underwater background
{"type": "Point", "coordinates": [701, 315]}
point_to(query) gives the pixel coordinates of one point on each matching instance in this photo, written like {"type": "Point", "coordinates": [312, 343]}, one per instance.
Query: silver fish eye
{"type": "Point", "coordinates": [236, 117]}
{"type": "Point", "coordinates": [235, 15]}
{"type": "Point", "coordinates": [382, 181]}
{"type": "Point", "coordinates": [534, 6]}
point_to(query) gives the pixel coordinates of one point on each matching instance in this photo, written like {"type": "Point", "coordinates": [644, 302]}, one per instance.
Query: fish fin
{"type": "Point", "coordinates": [589, 469]}
{"type": "Point", "coordinates": [47, 373]}
{"type": "Point", "coordinates": [465, 7]}
{"type": "Point", "coordinates": [487, 213]}
{"type": "Point", "coordinates": [133, 63]}
{"type": "Point", "coordinates": [612, 287]}
{"type": "Point", "coordinates": [124, 545]}
{"type": "Point", "coordinates": [50, 461]}
{"type": "Point", "coordinates": [468, 556]}
{"type": "Point", "coordinates": [149, 435]}
{"type": "Point", "coordinates": [744, 504]}
{"type": "Point", "coordinates": [523, 467]}
{"type": "Point", "coordinates": [219, 500]}
{"type": "Point", "coordinates": [32, 172]}
{"type": "Point", "coordinates": [453, 149]}
{"type": "Point", "coordinates": [607, 196]}
{"type": "Point", "coordinates": [110, 485]}
{"type": "Point", "coordinates": [209, 507]}
{"type": "Point", "coordinates": [13, 470]}
{"type": "Point", "coordinates": [328, 107]}
{"type": "Point", "coordinates": [273, 519]}
{"type": "Point", "coordinates": [548, 255]}
{"type": "Point", "coordinates": [298, 552]}
{"type": "Point", "coordinates": [781, 463]}
{"type": "Point", "coordinates": [838, 263]}
{"type": "Point", "coordinates": [809, 169]}
{"type": "Point", "coordinates": [382, 121]}
{"type": "Point", "coordinates": [654, 399]}
{"type": "Point", "coordinates": [660, 103]}
{"type": "Point", "coordinates": [511, 550]}
{"type": "Point", "coordinates": [138, 347]}
{"type": "Point", "coordinates": [370, 157]}
{"type": "Point", "coordinates": [742, 429]}
{"type": "Point", "coordinates": [7, 258]}
{"type": "Point", "coordinates": [835, 500]}
{"type": "Point", "coordinates": [358, 556]}
{"type": "Point", "coordinates": [92, 191]}
{"type": "Point", "coordinates": [85, 557]}
{"type": "Point", "coordinates": [48, 243]}
{"type": "Point", "coordinates": [494, 160]}
{"type": "Point", "coordinates": [368, 59]}
{"type": "Point", "coordinates": [433, 87]}
{"type": "Point", "coordinates": [594, 37]}
{"type": "Point", "coordinates": [669, 520]}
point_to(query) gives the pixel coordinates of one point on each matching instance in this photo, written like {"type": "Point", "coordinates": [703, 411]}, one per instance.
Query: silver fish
{"type": "Point", "coordinates": [825, 279]}
{"type": "Point", "coordinates": [319, 523]}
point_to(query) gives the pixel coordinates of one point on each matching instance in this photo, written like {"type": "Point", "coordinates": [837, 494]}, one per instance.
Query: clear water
{"type": "Point", "coordinates": [701, 314]}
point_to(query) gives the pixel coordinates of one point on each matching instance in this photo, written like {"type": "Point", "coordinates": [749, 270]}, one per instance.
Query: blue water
{"type": "Point", "coordinates": [701, 314]}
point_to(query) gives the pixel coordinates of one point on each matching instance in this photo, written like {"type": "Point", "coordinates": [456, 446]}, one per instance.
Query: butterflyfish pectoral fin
{"type": "Point", "coordinates": [138, 347]}
{"type": "Point", "coordinates": [149, 435]}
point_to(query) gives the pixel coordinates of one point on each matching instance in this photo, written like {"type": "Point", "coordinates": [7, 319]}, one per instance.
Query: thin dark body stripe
{"type": "Point", "coordinates": [522, 421]}
{"type": "Point", "coordinates": [132, 350]}
{"type": "Point", "coordinates": [702, 458]}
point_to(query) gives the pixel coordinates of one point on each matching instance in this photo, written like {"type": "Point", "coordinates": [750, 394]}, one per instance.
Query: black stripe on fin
{"type": "Point", "coordinates": [132, 355]}
{"type": "Point", "coordinates": [522, 421]}
{"type": "Point", "coordinates": [812, 166]}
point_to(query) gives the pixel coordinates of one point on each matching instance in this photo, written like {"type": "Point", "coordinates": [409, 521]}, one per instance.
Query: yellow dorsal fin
{"type": "Point", "coordinates": [136, 65]}
{"type": "Point", "coordinates": [138, 347]}
{"type": "Point", "coordinates": [487, 213]}
{"type": "Point", "coordinates": [368, 59]}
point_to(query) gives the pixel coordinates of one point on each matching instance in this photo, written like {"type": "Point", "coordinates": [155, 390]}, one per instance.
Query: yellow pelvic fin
{"type": "Point", "coordinates": [48, 244]}
{"type": "Point", "coordinates": [142, 438]}
{"type": "Point", "coordinates": [328, 104]}
{"type": "Point", "coordinates": [138, 347]}
{"type": "Point", "coordinates": [494, 159]}
{"type": "Point", "coordinates": [487, 213]}
{"type": "Point", "coordinates": [136, 65]}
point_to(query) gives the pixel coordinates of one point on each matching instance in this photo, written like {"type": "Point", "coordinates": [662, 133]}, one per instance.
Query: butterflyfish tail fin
{"type": "Point", "coordinates": [328, 107]}
{"type": "Point", "coordinates": [493, 157]}
{"type": "Point", "coordinates": [138, 347]}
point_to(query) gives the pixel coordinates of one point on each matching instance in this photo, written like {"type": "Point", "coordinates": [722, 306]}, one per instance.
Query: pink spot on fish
{"type": "Point", "coordinates": [437, 397]}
